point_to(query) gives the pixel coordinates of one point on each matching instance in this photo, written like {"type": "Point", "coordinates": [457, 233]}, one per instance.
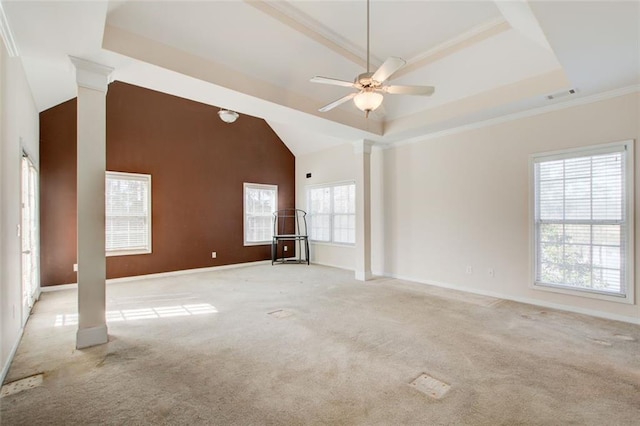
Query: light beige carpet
{"type": "Point", "coordinates": [297, 344]}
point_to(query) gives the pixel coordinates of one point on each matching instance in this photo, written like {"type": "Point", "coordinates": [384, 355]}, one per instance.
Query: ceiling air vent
{"type": "Point", "coordinates": [562, 94]}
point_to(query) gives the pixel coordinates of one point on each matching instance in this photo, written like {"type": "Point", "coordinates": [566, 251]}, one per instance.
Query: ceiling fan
{"type": "Point", "coordinates": [369, 85]}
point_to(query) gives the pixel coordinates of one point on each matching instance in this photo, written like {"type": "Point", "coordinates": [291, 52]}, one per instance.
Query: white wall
{"type": "Point", "coordinates": [336, 164]}
{"type": "Point", "coordinates": [463, 200]}
{"type": "Point", "coordinates": [448, 202]}
{"type": "Point", "coordinates": [19, 129]}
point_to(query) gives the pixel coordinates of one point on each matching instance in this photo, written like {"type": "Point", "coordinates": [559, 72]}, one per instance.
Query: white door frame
{"type": "Point", "coordinates": [30, 235]}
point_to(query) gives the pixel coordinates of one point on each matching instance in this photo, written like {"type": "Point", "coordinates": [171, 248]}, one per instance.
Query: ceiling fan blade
{"type": "Point", "coordinates": [409, 90]}
{"type": "Point", "coordinates": [391, 65]}
{"type": "Point", "coordinates": [340, 101]}
{"type": "Point", "coordinates": [335, 82]}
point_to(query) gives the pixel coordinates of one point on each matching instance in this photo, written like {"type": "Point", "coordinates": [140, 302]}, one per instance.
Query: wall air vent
{"type": "Point", "coordinates": [562, 94]}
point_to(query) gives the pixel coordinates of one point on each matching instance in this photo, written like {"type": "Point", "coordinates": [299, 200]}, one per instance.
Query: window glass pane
{"type": "Point", "coordinates": [577, 209]}
{"type": "Point", "coordinates": [551, 253]}
{"type": "Point", "coordinates": [551, 205]}
{"type": "Point", "coordinates": [577, 234]}
{"type": "Point", "coordinates": [551, 233]}
{"type": "Point", "coordinates": [607, 235]}
{"type": "Point", "coordinates": [320, 200]}
{"type": "Point", "coordinates": [343, 230]}
{"type": "Point", "coordinates": [551, 170]}
{"type": "Point", "coordinates": [320, 227]}
{"type": "Point", "coordinates": [551, 273]}
{"type": "Point", "coordinates": [577, 168]}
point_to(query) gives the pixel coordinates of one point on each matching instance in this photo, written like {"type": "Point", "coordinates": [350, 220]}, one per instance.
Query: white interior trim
{"type": "Point", "coordinates": [92, 336]}
{"type": "Point", "coordinates": [7, 35]}
{"type": "Point", "coordinates": [466, 39]}
{"type": "Point", "coordinates": [526, 300]}
{"type": "Point", "coordinates": [331, 265]}
{"type": "Point", "coordinates": [72, 286]}
{"type": "Point", "coordinates": [518, 115]}
{"type": "Point", "coordinates": [12, 353]}
{"type": "Point", "coordinates": [306, 25]}
{"type": "Point", "coordinates": [626, 146]}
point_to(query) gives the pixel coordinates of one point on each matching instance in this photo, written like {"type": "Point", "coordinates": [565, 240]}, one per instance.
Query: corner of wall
{"type": "Point", "coordinates": [19, 128]}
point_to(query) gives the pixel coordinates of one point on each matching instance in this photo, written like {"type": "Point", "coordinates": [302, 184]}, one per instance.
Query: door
{"type": "Point", "coordinates": [30, 238]}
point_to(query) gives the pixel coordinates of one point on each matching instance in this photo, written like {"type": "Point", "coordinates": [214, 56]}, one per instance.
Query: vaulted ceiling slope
{"type": "Point", "coordinates": [485, 58]}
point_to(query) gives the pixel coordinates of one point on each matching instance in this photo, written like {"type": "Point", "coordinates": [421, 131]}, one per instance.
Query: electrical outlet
{"type": "Point", "coordinates": [491, 272]}
{"type": "Point", "coordinates": [286, 248]}
{"type": "Point", "coordinates": [214, 254]}
{"type": "Point", "coordinates": [75, 267]}
{"type": "Point", "coordinates": [469, 269]}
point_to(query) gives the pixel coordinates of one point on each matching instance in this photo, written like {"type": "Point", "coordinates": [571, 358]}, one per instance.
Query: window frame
{"type": "Point", "coordinates": [133, 251]}
{"type": "Point", "coordinates": [245, 226]}
{"type": "Point", "coordinates": [332, 214]}
{"type": "Point", "coordinates": [628, 285]}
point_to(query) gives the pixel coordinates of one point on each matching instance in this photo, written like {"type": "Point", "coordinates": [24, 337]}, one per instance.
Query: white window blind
{"type": "Point", "coordinates": [128, 213]}
{"type": "Point", "coordinates": [260, 202]}
{"type": "Point", "coordinates": [582, 220]}
{"type": "Point", "coordinates": [332, 213]}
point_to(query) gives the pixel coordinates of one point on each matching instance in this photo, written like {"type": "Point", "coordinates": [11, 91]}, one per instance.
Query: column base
{"type": "Point", "coordinates": [92, 336]}
{"type": "Point", "coordinates": [363, 275]}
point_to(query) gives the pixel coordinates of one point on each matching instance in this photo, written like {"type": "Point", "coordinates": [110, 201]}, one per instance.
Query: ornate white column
{"type": "Point", "coordinates": [93, 81]}
{"type": "Point", "coordinates": [362, 150]}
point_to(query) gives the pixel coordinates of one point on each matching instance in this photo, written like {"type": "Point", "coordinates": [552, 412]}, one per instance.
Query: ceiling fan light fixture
{"type": "Point", "coordinates": [228, 116]}
{"type": "Point", "coordinates": [371, 84]}
{"type": "Point", "coordinates": [368, 100]}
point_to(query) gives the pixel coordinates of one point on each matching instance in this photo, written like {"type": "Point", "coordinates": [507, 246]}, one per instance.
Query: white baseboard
{"type": "Point", "coordinates": [14, 349]}
{"type": "Point", "coordinates": [73, 286]}
{"type": "Point", "coordinates": [92, 336]}
{"type": "Point", "coordinates": [363, 275]}
{"type": "Point", "coordinates": [331, 265]}
{"type": "Point", "coordinates": [59, 287]}
{"type": "Point", "coordinates": [528, 301]}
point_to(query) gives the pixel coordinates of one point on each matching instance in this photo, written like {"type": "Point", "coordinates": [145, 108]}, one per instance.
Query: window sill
{"type": "Point", "coordinates": [259, 243]}
{"type": "Point", "coordinates": [323, 243]}
{"type": "Point", "coordinates": [627, 299]}
{"type": "Point", "coordinates": [127, 252]}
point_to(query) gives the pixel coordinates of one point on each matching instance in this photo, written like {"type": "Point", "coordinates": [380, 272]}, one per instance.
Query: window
{"type": "Point", "coordinates": [332, 213]}
{"type": "Point", "coordinates": [260, 202]}
{"type": "Point", "coordinates": [128, 213]}
{"type": "Point", "coordinates": [583, 220]}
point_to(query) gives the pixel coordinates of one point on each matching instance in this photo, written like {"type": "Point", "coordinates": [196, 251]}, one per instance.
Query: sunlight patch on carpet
{"type": "Point", "coordinates": [143, 313]}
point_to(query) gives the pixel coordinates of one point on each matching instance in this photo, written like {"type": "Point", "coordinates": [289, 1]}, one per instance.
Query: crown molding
{"type": "Point", "coordinates": [7, 35]}
{"type": "Point", "coordinates": [363, 146]}
{"type": "Point", "coordinates": [91, 75]}
{"type": "Point", "coordinates": [291, 16]}
{"type": "Point", "coordinates": [466, 39]}
{"type": "Point", "coordinates": [518, 115]}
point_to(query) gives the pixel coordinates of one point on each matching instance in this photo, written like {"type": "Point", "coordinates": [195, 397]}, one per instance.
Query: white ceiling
{"type": "Point", "coordinates": [485, 58]}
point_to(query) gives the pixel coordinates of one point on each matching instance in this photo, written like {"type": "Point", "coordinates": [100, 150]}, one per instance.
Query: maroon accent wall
{"type": "Point", "coordinates": [198, 165]}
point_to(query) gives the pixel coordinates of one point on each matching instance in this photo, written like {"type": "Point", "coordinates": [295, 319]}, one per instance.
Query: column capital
{"type": "Point", "coordinates": [91, 75]}
{"type": "Point", "coordinates": [362, 146]}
